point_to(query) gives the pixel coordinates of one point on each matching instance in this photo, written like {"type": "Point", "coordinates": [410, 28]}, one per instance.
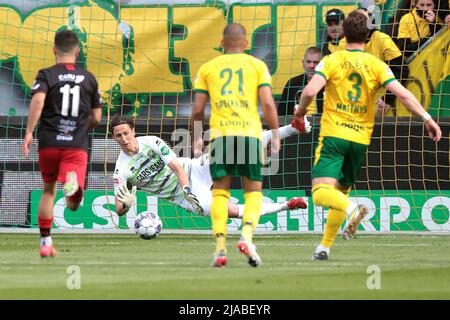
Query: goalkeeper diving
{"type": "Point", "coordinates": [147, 163]}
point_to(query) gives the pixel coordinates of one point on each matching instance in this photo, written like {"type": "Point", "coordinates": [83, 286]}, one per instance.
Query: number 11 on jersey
{"type": "Point", "coordinates": [66, 92]}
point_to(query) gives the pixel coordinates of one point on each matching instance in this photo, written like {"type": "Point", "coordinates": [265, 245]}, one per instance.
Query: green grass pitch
{"type": "Point", "coordinates": [178, 267]}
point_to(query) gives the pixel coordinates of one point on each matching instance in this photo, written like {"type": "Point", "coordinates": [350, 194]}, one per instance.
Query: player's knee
{"type": "Point", "coordinates": [221, 193]}
{"type": "Point", "coordinates": [50, 189]}
{"type": "Point", "coordinates": [320, 194]}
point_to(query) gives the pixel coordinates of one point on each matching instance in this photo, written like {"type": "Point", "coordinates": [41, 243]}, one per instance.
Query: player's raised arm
{"type": "Point", "coordinates": [414, 106]}
{"type": "Point", "coordinates": [36, 106]}
{"type": "Point", "coordinates": [316, 84]}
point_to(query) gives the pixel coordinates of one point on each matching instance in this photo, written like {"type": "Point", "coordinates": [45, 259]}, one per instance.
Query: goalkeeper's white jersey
{"type": "Point", "coordinates": [148, 169]}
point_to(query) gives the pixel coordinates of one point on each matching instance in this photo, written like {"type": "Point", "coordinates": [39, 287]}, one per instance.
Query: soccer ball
{"type": "Point", "coordinates": [148, 225]}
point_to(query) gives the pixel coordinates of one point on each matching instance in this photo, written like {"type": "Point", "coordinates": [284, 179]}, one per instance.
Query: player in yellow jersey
{"type": "Point", "coordinates": [384, 48]}
{"type": "Point", "coordinates": [233, 82]}
{"type": "Point", "coordinates": [350, 78]}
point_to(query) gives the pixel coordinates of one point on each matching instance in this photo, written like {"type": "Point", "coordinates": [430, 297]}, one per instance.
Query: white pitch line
{"type": "Point", "coordinates": [347, 244]}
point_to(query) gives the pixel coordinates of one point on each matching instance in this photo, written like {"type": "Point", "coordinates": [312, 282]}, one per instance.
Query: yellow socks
{"type": "Point", "coordinates": [334, 222]}
{"type": "Point", "coordinates": [327, 196]}
{"type": "Point", "coordinates": [335, 217]}
{"type": "Point", "coordinates": [252, 211]}
{"type": "Point", "coordinates": [220, 242]}
{"type": "Point", "coordinates": [219, 217]}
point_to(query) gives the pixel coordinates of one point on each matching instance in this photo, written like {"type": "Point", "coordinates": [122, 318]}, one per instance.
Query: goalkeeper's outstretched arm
{"type": "Point", "coordinates": [284, 132]}
{"type": "Point", "coordinates": [183, 180]}
{"type": "Point", "coordinates": [176, 167]}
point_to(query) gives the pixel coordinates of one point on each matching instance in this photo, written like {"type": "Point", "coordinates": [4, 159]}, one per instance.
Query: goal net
{"type": "Point", "coordinates": [145, 55]}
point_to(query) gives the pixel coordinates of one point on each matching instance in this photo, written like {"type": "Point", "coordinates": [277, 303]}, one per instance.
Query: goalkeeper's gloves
{"type": "Point", "coordinates": [127, 198]}
{"type": "Point", "coordinates": [192, 199]}
{"type": "Point", "coordinates": [301, 124]}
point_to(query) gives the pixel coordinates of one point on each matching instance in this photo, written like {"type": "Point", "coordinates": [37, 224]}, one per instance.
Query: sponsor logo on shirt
{"type": "Point", "coordinates": [79, 79]}
{"type": "Point", "coordinates": [320, 66]}
{"type": "Point", "coordinates": [151, 171]}
{"type": "Point", "coordinates": [35, 85]}
{"type": "Point", "coordinates": [165, 151]}
{"type": "Point", "coordinates": [389, 71]}
{"type": "Point", "coordinates": [71, 77]}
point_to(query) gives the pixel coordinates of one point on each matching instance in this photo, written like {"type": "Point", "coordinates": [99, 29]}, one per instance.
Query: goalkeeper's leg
{"type": "Point", "coordinates": [201, 181]}
{"type": "Point", "coordinates": [237, 210]}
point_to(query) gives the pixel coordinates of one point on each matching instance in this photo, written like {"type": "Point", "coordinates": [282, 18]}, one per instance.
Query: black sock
{"type": "Point", "coordinates": [45, 232]}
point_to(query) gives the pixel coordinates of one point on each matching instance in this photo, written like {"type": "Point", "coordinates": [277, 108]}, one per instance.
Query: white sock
{"type": "Point", "coordinates": [284, 131]}
{"type": "Point", "coordinates": [266, 208]}
{"type": "Point", "coordinates": [322, 248]}
{"type": "Point", "coordinates": [241, 211]}
{"type": "Point", "coordinates": [46, 241]}
{"type": "Point", "coordinates": [351, 207]}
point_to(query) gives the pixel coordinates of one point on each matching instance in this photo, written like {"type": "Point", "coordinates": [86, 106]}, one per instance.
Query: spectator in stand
{"type": "Point", "coordinates": [418, 26]}
{"type": "Point", "coordinates": [403, 8]}
{"type": "Point", "coordinates": [293, 88]}
{"type": "Point", "coordinates": [443, 11]}
{"type": "Point", "coordinates": [334, 19]}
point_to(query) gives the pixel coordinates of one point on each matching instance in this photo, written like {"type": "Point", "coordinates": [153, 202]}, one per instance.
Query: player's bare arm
{"type": "Point", "coordinates": [95, 117]}
{"type": "Point", "coordinates": [413, 105]}
{"type": "Point", "coordinates": [316, 84]}
{"type": "Point", "coordinates": [36, 106]}
{"type": "Point", "coordinates": [198, 115]}
{"type": "Point", "coordinates": [271, 116]}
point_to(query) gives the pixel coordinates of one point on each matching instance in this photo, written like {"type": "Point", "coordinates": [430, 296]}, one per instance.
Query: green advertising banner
{"type": "Point", "coordinates": [388, 211]}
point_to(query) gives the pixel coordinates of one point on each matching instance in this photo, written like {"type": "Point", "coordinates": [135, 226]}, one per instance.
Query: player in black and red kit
{"type": "Point", "coordinates": [66, 100]}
